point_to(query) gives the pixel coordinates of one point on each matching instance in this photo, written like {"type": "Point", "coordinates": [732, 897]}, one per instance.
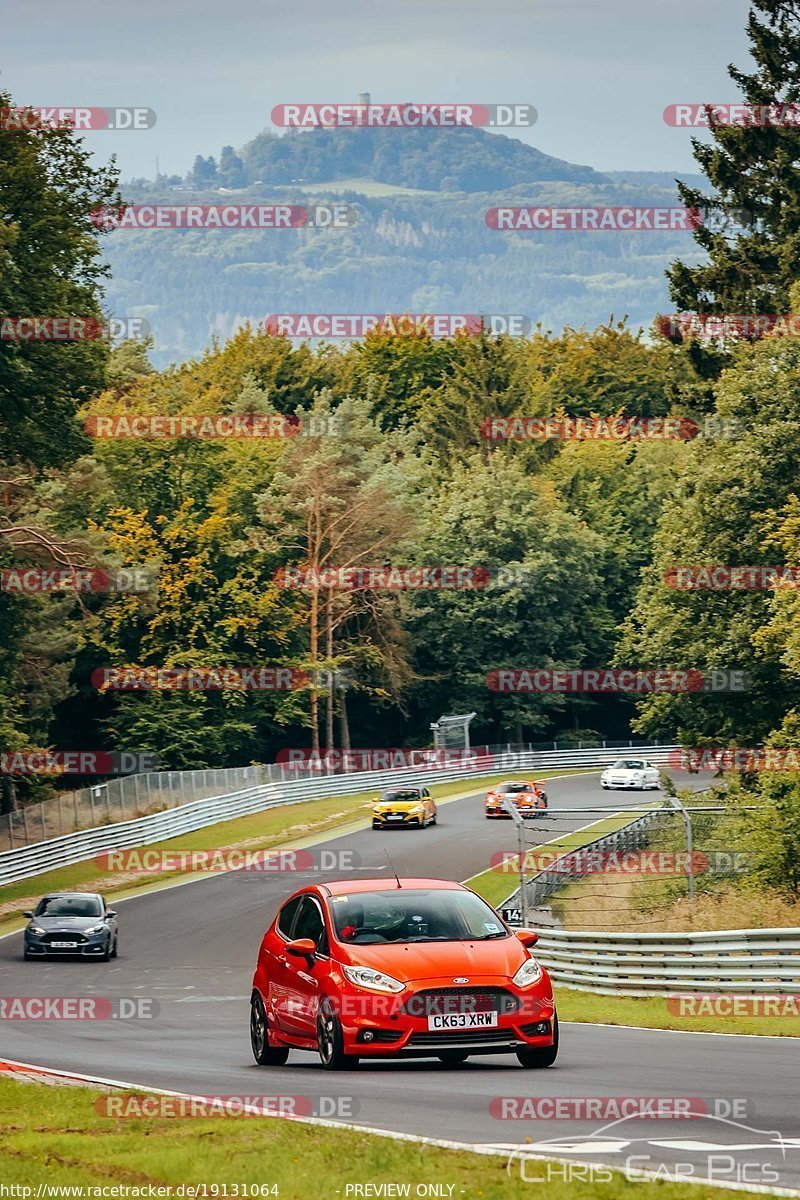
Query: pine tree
{"type": "Point", "coordinates": [751, 225]}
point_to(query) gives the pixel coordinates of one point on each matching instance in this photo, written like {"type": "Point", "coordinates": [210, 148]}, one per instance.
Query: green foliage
{"type": "Point", "coordinates": [751, 237]}
{"type": "Point", "coordinates": [720, 514]}
{"type": "Point", "coordinates": [50, 266]}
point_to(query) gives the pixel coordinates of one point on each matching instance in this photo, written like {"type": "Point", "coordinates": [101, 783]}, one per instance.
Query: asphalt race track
{"type": "Point", "coordinates": [192, 948]}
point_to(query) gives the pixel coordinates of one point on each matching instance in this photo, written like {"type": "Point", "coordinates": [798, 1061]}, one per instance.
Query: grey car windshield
{"type": "Point", "coordinates": [413, 915]}
{"type": "Point", "coordinates": [628, 764]}
{"type": "Point", "coordinates": [69, 906]}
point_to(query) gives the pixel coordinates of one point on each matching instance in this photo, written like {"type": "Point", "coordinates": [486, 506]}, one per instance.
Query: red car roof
{"type": "Point", "coordinates": [387, 882]}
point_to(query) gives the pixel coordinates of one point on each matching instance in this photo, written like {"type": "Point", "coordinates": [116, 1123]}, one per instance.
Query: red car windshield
{"type": "Point", "coordinates": [413, 915]}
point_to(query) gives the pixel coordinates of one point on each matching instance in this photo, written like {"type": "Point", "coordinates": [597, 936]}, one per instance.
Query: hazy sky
{"type": "Point", "coordinates": [600, 72]}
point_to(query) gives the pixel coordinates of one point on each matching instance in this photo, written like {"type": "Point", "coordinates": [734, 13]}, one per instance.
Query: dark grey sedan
{"type": "Point", "coordinates": [76, 924]}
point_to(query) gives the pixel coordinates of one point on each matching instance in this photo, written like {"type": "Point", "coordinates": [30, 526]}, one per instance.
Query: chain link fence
{"type": "Point", "coordinates": [130, 796]}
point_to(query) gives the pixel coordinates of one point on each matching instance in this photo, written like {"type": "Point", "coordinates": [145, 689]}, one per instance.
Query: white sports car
{"type": "Point", "coordinates": [632, 773]}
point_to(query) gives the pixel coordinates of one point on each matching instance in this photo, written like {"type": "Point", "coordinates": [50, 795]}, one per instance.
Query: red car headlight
{"type": "Point", "coordinates": [529, 973]}
{"type": "Point", "coordinates": [376, 981]}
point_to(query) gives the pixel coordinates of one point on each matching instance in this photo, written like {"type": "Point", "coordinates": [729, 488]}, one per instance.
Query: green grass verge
{"type": "Point", "coordinates": [55, 1136]}
{"type": "Point", "coordinates": [287, 826]}
{"type": "Point", "coordinates": [652, 1012]}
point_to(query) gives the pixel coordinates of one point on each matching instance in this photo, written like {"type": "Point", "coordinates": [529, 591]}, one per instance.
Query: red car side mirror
{"type": "Point", "coordinates": [301, 948]}
{"type": "Point", "coordinates": [528, 937]}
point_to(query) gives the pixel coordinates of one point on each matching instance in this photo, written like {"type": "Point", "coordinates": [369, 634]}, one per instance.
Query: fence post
{"type": "Point", "coordinates": [25, 825]}
{"type": "Point", "coordinates": [11, 830]}
{"type": "Point", "coordinates": [687, 821]}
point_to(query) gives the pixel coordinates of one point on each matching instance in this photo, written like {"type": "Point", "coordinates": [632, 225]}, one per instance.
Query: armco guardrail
{"type": "Point", "coordinates": [26, 861]}
{"type": "Point", "coordinates": [745, 961]}
{"type": "Point", "coordinates": [126, 797]}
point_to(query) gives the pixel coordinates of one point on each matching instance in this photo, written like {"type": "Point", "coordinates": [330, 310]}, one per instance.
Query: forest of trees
{"type": "Point", "coordinates": [391, 467]}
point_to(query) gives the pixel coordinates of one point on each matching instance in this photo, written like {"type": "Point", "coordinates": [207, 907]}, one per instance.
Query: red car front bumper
{"type": "Point", "coordinates": [401, 1025]}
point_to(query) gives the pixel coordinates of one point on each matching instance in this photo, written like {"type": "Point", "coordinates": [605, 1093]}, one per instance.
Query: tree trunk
{"type": "Point", "coordinates": [9, 794]}
{"type": "Point", "coordinates": [344, 724]}
{"type": "Point", "coordinates": [314, 647]}
{"type": "Point", "coordinates": [329, 699]}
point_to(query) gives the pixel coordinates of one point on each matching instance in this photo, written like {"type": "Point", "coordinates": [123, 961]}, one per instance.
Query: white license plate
{"type": "Point", "coordinates": [397, 817]}
{"type": "Point", "coordinates": [481, 1020]}
{"type": "Point", "coordinates": [63, 945]}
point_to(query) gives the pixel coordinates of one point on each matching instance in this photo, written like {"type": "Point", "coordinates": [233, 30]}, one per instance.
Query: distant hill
{"type": "Point", "coordinates": [658, 178]}
{"type": "Point", "coordinates": [446, 160]}
{"type": "Point", "coordinates": [420, 244]}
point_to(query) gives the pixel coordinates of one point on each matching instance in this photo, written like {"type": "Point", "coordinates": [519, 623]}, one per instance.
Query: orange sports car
{"type": "Point", "coordinates": [419, 968]}
{"type": "Point", "coordinates": [528, 797]}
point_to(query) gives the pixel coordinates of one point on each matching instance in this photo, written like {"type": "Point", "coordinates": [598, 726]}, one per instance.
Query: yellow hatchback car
{"type": "Point", "coordinates": [404, 808]}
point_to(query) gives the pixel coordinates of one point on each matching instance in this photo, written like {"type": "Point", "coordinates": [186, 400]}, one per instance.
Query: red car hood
{"type": "Point", "coordinates": [434, 960]}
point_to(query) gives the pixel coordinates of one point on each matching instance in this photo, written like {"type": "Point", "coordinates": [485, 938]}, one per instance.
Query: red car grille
{"type": "Point", "coordinates": [438, 1001]}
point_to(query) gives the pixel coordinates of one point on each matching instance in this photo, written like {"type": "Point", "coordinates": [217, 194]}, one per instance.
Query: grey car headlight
{"type": "Point", "coordinates": [102, 928]}
{"type": "Point", "coordinates": [37, 929]}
